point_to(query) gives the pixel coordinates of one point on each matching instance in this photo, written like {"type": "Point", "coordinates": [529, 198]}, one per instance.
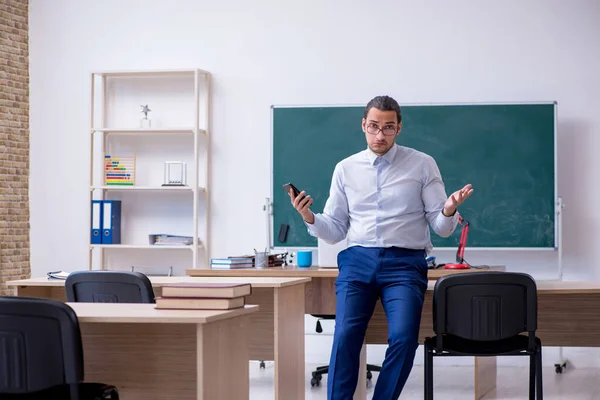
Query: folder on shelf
{"type": "Point", "coordinates": [96, 222]}
{"type": "Point", "coordinates": [111, 221]}
{"type": "Point", "coordinates": [163, 239]}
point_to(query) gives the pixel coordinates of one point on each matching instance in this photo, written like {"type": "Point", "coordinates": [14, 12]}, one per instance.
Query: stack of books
{"type": "Point", "coordinates": [232, 262]}
{"type": "Point", "coordinates": [203, 296]}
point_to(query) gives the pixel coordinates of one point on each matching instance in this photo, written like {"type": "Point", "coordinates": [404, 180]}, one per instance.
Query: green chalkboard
{"type": "Point", "coordinates": [507, 151]}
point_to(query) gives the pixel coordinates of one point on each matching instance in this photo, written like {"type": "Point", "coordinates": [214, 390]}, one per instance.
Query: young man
{"type": "Point", "coordinates": [383, 199]}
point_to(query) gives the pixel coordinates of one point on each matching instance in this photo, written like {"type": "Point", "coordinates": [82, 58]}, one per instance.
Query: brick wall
{"type": "Point", "coordinates": [14, 142]}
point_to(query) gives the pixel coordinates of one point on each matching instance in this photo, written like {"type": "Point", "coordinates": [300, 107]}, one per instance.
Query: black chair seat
{"type": "Point", "coordinates": [454, 345]}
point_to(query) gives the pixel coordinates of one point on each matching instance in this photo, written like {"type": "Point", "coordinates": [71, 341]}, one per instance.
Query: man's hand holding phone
{"type": "Point", "coordinates": [301, 203]}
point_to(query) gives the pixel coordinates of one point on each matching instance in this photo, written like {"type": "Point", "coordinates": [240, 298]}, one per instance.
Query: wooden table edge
{"type": "Point", "coordinates": [125, 319]}
{"type": "Point", "coordinates": [286, 281]}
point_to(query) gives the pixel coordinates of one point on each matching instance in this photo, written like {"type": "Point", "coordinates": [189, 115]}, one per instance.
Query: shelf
{"type": "Point", "coordinates": [130, 131]}
{"type": "Point", "coordinates": [157, 72]}
{"type": "Point", "coordinates": [141, 246]}
{"type": "Point", "coordinates": [185, 95]}
{"type": "Point", "coordinates": [148, 188]}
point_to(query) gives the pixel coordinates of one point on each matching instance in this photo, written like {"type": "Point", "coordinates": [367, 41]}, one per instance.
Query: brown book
{"type": "Point", "coordinates": [212, 290]}
{"type": "Point", "coordinates": [194, 303]}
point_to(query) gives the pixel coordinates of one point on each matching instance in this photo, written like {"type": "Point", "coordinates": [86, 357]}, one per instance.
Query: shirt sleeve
{"type": "Point", "coordinates": [434, 196]}
{"type": "Point", "coordinates": [332, 225]}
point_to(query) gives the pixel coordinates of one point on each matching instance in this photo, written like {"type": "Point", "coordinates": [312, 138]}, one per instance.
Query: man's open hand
{"type": "Point", "coordinates": [456, 199]}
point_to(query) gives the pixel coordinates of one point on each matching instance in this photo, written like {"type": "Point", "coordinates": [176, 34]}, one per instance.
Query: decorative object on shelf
{"type": "Point", "coordinates": [175, 173]}
{"type": "Point", "coordinates": [119, 171]}
{"type": "Point", "coordinates": [145, 122]}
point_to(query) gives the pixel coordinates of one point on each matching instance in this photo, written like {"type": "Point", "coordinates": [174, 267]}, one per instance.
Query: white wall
{"type": "Point", "coordinates": [309, 52]}
{"type": "Point", "coordinates": [274, 52]}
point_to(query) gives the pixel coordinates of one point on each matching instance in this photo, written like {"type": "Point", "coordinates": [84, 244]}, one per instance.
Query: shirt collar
{"type": "Point", "coordinates": [389, 156]}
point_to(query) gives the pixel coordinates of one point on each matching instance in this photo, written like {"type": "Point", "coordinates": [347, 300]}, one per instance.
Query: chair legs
{"type": "Point", "coordinates": [535, 372]}
{"type": "Point", "coordinates": [428, 372]}
{"type": "Point", "coordinates": [538, 370]}
{"type": "Point", "coordinates": [532, 375]}
{"type": "Point", "coordinates": [317, 374]}
{"type": "Point", "coordinates": [372, 368]}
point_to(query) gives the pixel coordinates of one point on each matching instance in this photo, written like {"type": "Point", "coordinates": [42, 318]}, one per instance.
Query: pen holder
{"type": "Point", "coordinates": [261, 259]}
{"type": "Point", "coordinates": [305, 258]}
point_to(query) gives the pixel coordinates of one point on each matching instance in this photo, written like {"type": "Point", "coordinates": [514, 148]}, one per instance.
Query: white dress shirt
{"type": "Point", "coordinates": [385, 201]}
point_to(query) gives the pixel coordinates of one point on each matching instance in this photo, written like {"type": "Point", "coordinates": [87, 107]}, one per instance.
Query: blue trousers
{"type": "Point", "coordinates": [399, 278]}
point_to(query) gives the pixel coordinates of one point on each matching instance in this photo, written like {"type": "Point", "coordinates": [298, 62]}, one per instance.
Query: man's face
{"type": "Point", "coordinates": [381, 129]}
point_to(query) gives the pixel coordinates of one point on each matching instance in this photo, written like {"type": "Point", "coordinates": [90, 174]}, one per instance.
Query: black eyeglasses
{"type": "Point", "coordinates": [373, 129]}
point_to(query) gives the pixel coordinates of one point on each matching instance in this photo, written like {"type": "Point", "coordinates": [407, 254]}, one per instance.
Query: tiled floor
{"type": "Point", "coordinates": [455, 383]}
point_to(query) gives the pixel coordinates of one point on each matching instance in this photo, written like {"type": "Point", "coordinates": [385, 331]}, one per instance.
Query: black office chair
{"type": "Point", "coordinates": [42, 353]}
{"type": "Point", "coordinates": [317, 374]}
{"type": "Point", "coordinates": [109, 287]}
{"type": "Point", "coordinates": [484, 314]}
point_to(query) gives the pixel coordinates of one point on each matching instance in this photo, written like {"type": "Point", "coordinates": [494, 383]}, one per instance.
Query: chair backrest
{"type": "Point", "coordinates": [40, 345]}
{"type": "Point", "coordinates": [485, 306]}
{"type": "Point", "coordinates": [109, 287]}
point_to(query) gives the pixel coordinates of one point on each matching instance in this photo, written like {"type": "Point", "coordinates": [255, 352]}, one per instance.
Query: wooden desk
{"type": "Point", "coordinates": [276, 332]}
{"type": "Point", "coordinates": [293, 271]}
{"type": "Point", "coordinates": [568, 314]}
{"type": "Point", "coordinates": [166, 354]}
{"type": "Point", "coordinates": [320, 291]}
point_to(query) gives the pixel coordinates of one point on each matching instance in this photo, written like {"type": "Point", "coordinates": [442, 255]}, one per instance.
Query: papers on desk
{"type": "Point", "coordinates": [58, 275]}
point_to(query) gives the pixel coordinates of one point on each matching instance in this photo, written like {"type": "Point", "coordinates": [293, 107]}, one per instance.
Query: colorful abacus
{"type": "Point", "coordinates": [119, 170]}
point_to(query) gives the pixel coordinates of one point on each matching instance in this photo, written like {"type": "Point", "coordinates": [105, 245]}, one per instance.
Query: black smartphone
{"type": "Point", "coordinates": [289, 186]}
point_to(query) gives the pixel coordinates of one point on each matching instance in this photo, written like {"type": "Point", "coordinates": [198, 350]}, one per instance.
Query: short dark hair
{"type": "Point", "coordinates": [384, 103]}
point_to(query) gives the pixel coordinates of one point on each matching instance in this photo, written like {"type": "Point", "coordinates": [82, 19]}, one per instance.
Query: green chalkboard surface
{"type": "Point", "coordinates": [507, 151]}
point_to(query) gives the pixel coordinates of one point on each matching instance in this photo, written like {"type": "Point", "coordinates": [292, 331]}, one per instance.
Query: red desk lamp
{"type": "Point", "coordinates": [460, 261]}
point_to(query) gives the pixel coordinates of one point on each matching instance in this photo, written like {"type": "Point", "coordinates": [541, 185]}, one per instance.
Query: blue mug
{"type": "Point", "coordinates": [305, 258]}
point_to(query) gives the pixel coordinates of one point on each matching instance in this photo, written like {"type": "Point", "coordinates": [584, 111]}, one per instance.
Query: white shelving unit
{"type": "Point", "coordinates": [116, 97]}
